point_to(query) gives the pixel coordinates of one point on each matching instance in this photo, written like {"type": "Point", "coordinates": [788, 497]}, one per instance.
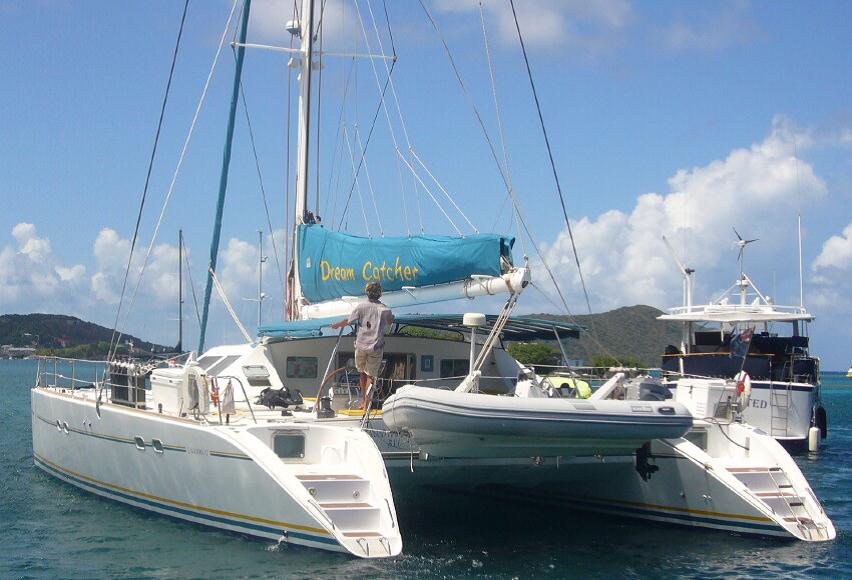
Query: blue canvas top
{"type": "Point", "coordinates": [334, 264]}
{"type": "Point", "coordinates": [517, 328]}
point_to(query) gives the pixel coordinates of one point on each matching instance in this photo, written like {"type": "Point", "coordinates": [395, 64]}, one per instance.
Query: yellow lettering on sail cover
{"type": "Point", "coordinates": [374, 272]}
{"type": "Point", "coordinates": [327, 272]}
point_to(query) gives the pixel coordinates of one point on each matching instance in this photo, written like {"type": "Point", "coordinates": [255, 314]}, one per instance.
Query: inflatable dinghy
{"type": "Point", "coordinates": [456, 424]}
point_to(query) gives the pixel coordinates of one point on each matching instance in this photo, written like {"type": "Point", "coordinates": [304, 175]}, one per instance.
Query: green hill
{"type": "Point", "coordinates": [65, 336]}
{"type": "Point", "coordinates": [627, 333]}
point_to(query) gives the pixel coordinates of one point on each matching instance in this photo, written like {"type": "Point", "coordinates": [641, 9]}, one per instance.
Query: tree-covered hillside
{"type": "Point", "coordinates": [629, 333]}
{"type": "Point", "coordinates": [64, 335]}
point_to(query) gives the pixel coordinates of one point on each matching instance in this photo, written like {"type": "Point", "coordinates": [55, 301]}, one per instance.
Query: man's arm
{"type": "Point", "coordinates": [352, 318]}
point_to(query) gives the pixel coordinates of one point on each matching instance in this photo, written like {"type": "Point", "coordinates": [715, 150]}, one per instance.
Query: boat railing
{"type": "Point", "coordinates": [246, 399]}
{"type": "Point", "coordinates": [66, 373]}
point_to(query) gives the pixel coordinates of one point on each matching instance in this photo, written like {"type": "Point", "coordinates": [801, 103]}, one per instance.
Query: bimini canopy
{"type": "Point", "coordinates": [334, 264]}
{"type": "Point", "coordinates": [519, 328]}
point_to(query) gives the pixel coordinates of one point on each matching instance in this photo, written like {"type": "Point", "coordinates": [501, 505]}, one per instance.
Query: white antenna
{"type": "Point", "coordinates": [801, 274]}
{"type": "Point", "coordinates": [687, 276]}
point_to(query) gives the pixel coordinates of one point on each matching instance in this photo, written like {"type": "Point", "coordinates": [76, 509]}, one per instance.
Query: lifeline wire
{"type": "Point", "coordinates": [148, 176]}
{"type": "Point", "coordinates": [260, 180]}
{"type": "Point", "coordinates": [182, 155]}
{"type": "Point", "coordinates": [550, 155]}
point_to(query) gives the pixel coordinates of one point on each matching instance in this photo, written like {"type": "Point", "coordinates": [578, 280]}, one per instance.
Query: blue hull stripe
{"type": "Point", "coordinates": [615, 508]}
{"type": "Point", "coordinates": [175, 511]}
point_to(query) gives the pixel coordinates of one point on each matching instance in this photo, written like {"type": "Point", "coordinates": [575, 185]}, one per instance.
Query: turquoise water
{"type": "Point", "coordinates": [49, 529]}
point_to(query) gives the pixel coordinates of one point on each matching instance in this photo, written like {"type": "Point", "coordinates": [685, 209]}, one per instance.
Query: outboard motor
{"type": "Point", "coordinates": [653, 390]}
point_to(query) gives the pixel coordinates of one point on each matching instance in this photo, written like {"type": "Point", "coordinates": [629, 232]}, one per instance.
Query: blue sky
{"type": "Point", "coordinates": [676, 118]}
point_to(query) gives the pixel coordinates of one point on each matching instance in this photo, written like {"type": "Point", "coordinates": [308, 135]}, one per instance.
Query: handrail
{"type": "Point", "coordinates": [243, 389]}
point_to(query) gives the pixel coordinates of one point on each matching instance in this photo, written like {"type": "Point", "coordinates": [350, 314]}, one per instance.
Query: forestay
{"type": "Point", "coordinates": [334, 264]}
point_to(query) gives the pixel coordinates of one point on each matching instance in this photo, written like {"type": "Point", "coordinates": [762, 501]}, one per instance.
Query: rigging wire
{"type": "Point", "coordinates": [369, 181]}
{"type": "Point", "coordinates": [388, 82]}
{"type": "Point", "coordinates": [501, 133]}
{"type": "Point", "coordinates": [337, 159]}
{"type": "Point", "coordinates": [357, 181]}
{"type": "Point", "coordinates": [116, 336]}
{"type": "Point", "coordinates": [260, 180]}
{"type": "Point", "coordinates": [177, 169]}
{"type": "Point", "coordinates": [550, 156]}
{"type": "Point", "coordinates": [411, 150]}
{"type": "Point", "coordinates": [366, 144]}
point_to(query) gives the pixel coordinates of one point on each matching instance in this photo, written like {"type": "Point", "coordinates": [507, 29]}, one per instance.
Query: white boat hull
{"type": "Point", "coordinates": [222, 478]}
{"type": "Point", "coordinates": [688, 488]}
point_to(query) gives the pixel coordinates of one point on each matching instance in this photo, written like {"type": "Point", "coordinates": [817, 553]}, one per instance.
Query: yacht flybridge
{"type": "Point", "coordinates": [265, 438]}
{"type": "Point", "coordinates": [775, 367]}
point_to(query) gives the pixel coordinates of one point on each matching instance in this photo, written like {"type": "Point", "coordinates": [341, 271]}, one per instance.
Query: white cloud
{"type": "Point", "coordinates": [590, 27]}
{"type": "Point", "coordinates": [833, 276]}
{"type": "Point", "coordinates": [31, 274]}
{"type": "Point", "coordinates": [623, 257]}
{"type": "Point", "coordinates": [836, 252]}
{"type": "Point", "coordinates": [715, 28]}
{"type": "Point", "coordinates": [238, 270]}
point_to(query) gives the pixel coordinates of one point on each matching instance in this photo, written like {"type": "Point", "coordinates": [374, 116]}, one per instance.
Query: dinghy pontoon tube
{"type": "Point", "coordinates": [455, 424]}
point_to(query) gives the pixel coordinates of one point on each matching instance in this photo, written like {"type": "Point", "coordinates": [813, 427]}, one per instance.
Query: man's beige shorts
{"type": "Point", "coordinates": [368, 362]}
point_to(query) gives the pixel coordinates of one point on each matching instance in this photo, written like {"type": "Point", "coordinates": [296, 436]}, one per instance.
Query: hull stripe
{"type": "Point", "coordinates": [183, 508]}
{"type": "Point", "coordinates": [726, 520]}
{"type": "Point", "coordinates": [166, 446]}
{"type": "Point", "coordinates": [639, 509]}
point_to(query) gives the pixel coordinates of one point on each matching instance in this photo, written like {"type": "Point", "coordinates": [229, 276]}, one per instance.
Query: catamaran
{"type": "Point", "coordinates": [266, 438]}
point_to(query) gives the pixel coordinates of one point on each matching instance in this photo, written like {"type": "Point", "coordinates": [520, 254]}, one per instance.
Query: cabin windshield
{"type": "Point", "coordinates": [770, 357]}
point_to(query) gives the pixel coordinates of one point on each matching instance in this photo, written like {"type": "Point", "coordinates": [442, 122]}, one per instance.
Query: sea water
{"type": "Point", "coordinates": [49, 529]}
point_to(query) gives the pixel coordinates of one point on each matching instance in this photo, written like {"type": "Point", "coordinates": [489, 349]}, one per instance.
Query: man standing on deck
{"type": "Point", "coordinates": [372, 318]}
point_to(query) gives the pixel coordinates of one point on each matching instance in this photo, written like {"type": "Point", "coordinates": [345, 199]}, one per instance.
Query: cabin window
{"type": "Point", "coordinates": [289, 445]}
{"type": "Point", "coordinates": [157, 445]}
{"type": "Point", "coordinates": [302, 367]}
{"type": "Point", "coordinates": [140, 443]}
{"type": "Point", "coordinates": [454, 367]}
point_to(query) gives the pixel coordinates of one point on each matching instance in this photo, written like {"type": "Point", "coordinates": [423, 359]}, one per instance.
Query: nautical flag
{"type": "Point", "coordinates": [740, 342]}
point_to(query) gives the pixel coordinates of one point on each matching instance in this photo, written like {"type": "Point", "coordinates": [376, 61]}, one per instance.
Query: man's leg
{"type": "Point", "coordinates": [363, 380]}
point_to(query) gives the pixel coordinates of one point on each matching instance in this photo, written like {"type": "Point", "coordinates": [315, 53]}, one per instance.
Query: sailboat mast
{"type": "Point", "coordinates": [302, 142]}
{"type": "Point", "coordinates": [223, 179]}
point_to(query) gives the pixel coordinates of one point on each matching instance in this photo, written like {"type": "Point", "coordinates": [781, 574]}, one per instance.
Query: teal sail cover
{"type": "Point", "coordinates": [334, 264]}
